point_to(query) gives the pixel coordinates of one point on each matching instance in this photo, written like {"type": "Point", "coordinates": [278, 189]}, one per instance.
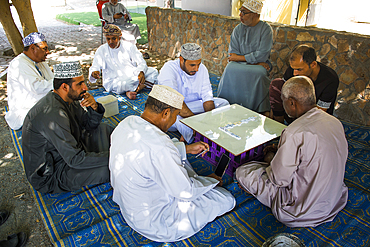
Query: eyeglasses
{"type": "Point", "coordinates": [244, 12]}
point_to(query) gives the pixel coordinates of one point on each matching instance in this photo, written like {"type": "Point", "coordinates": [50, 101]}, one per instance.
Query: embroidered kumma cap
{"type": "Point", "coordinates": [67, 70]}
{"type": "Point", "coordinates": [191, 51]}
{"type": "Point", "coordinates": [111, 29]}
{"type": "Point", "coordinates": [167, 95]}
{"type": "Point", "coordinates": [33, 38]}
{"type": "Point", "coordinates": [253, 5]}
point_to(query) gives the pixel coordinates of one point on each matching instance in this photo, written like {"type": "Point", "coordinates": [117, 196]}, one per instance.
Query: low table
{"type": "Point", "coordinates": [234, 130]}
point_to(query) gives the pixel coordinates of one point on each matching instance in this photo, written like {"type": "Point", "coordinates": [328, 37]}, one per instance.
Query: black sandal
{"type": "Point", "coordinates": [4, 215]}
{"type": "Point", "coordinates": [15, 240]}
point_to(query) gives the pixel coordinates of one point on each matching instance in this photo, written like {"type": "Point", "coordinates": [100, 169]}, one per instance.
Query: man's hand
{"type": "Point", "coordinates": [141, 77]}
{"type": "Point", "coordinates": [208, 105]}
{"type": "Point", "coordinates": [265, 65]}
{"type": "Point", "coordinates": [197, 148]}
{"type": "Point", "coordinates": [270, 148]}
{"type": "Point", "coordinates": [88, 100]}
{"type": "Point", "coordinates": [269, 153]}
{"type": "Point", "coordinates": [141, 85]}
{"type": "Point", "coordinates": [95, 74]}
{"type": "Point", "coordinates": [117, 16]}
{"type": "Point", "coordinates": [126, 16]}
{"type": "Point", "coordinates": [185, 111]}
{"type": "Point", "coordinates": [236, 58]}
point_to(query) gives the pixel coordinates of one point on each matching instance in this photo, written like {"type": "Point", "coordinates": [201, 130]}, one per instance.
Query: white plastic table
{"type": "Point", "coordinates": [234, 130]}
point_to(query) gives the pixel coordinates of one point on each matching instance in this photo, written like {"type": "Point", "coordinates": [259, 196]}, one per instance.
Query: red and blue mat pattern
{"type": "Point", "coordinates": [89, 217]}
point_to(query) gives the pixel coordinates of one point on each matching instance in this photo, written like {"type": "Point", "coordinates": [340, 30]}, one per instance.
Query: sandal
{"type": "Point", "coordinates": [15, 240]}
{"type": "Point", "coordinates": [3, 217]}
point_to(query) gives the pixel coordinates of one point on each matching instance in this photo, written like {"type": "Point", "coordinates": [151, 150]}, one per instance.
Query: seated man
{"type": "Point", "coordinates": [304, 184]}
{"type": "Point", "coordinates": [29, 79]}
{"type": "Point", "coordinates": [123, 66]}
{"type": "Point", "coordinates": [303, 62]}
{"type": "Point", "coordinates": [190, 78]}
{"type": "Point", "coordinates": [115, 13]}
{"type": "Point", "coordinates": [245, 79]}
{"type": "Point", "coordinates": [65, 146]}
{"type": "Point", "coordinates": [159, 194]}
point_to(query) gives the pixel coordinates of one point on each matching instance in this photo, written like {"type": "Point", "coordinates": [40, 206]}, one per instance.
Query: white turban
{"type": "Point", "coordinates": [254, 6]}
{"type": "Point", "coordinates": [167, 95]}
{"type": "Point", "coordinates": [191, 51]}
{"type": "Point", "coordinates": [67, 70]}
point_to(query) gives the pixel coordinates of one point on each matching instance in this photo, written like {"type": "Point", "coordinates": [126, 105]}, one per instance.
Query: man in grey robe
{"type": "Point", "coordinates": [304, 183]}
{"type": "Point", "coordinates": [65, 146]}
{"type": "Point", "coordinates": [245, 80]}
{"type": "Point", "coordinates": [115, 13]}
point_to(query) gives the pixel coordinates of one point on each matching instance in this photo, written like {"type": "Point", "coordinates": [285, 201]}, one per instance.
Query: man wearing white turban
{"type": "Point", "coordinates": [65, 146]}
{"type": "Point", "coordinates": [190, 77]}
{"type": "Point", "coordinates": [245, 79]}
{"type": "Point", "coordinates": [159, 194]}
{"type": "Point", "coordinates": [29, 79]}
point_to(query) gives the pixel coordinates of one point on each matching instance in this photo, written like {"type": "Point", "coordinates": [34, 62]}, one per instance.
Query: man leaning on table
{"type": "Point", "coordinates": [159, 194]}
{"type": "Point", "coordinates": [304, 183]}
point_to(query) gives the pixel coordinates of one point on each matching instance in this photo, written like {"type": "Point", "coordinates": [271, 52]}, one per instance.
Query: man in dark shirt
{"type": "Point", "coordinates": [303, 62]}
{"type": "Point", "coordinates": [65, 146]}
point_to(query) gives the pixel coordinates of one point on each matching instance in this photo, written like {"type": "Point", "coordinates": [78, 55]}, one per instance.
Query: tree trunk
{"type": "Point", "coordinates": [11, 30]}
{"type": "Point", "coordinates": [25, 14]}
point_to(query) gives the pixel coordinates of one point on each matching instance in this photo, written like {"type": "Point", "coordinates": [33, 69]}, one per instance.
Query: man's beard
{"type": "Point", "coordinates": [115, 46]}
{"type": "Point", "coordinates": [74, 96]}
{"type": "Point", "coordinates": [183, 67]}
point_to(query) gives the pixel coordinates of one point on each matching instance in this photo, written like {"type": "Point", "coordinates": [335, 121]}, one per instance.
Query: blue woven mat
{"type": "Point", "coordinates": [89, 217]}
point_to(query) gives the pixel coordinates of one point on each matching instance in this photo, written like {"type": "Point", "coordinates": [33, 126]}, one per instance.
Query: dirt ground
{"type": "Point", "coordinates": [15, 193]}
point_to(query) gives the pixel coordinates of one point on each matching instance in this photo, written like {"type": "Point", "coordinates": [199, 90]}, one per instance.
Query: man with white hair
{"type": "Point", "coordinates": [245, 79]}
{"type": "Point", "coordinates": [190, 77]}
{"type": "Point", "coordinates": [304, 183]}
{"type": "Point", "coordinates": [123, 66]}
{"type": "Point", "coordinates": [64, 145]}
{"type": "Point", "coordinates": [29, 79]}
{"type": "Point", "coordinates": [159, 194]}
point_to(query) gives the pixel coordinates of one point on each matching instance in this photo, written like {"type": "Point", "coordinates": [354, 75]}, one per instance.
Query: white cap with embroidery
{"type": "Point", "coordinates": [167, 95]}
{"type": "Point", "coordinates": [254, 6]}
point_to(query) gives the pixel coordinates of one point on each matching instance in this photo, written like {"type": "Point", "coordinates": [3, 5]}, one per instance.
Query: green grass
{"type": "Point", "coordinates": [92, 18]}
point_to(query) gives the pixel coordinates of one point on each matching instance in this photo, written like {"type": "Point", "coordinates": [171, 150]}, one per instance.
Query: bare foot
{"type": "Point", "coordinates": [212, 175]}
{"type": "Point", "coordinates": [242, 188]}
{"type": "Point", "coordinates": [131, 95]}
{"type": "Point", "coordinates": [268, 157]}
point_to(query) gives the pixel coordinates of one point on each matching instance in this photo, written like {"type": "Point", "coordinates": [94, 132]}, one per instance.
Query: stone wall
{"type": "Point", "coordinates": [348, 54]}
